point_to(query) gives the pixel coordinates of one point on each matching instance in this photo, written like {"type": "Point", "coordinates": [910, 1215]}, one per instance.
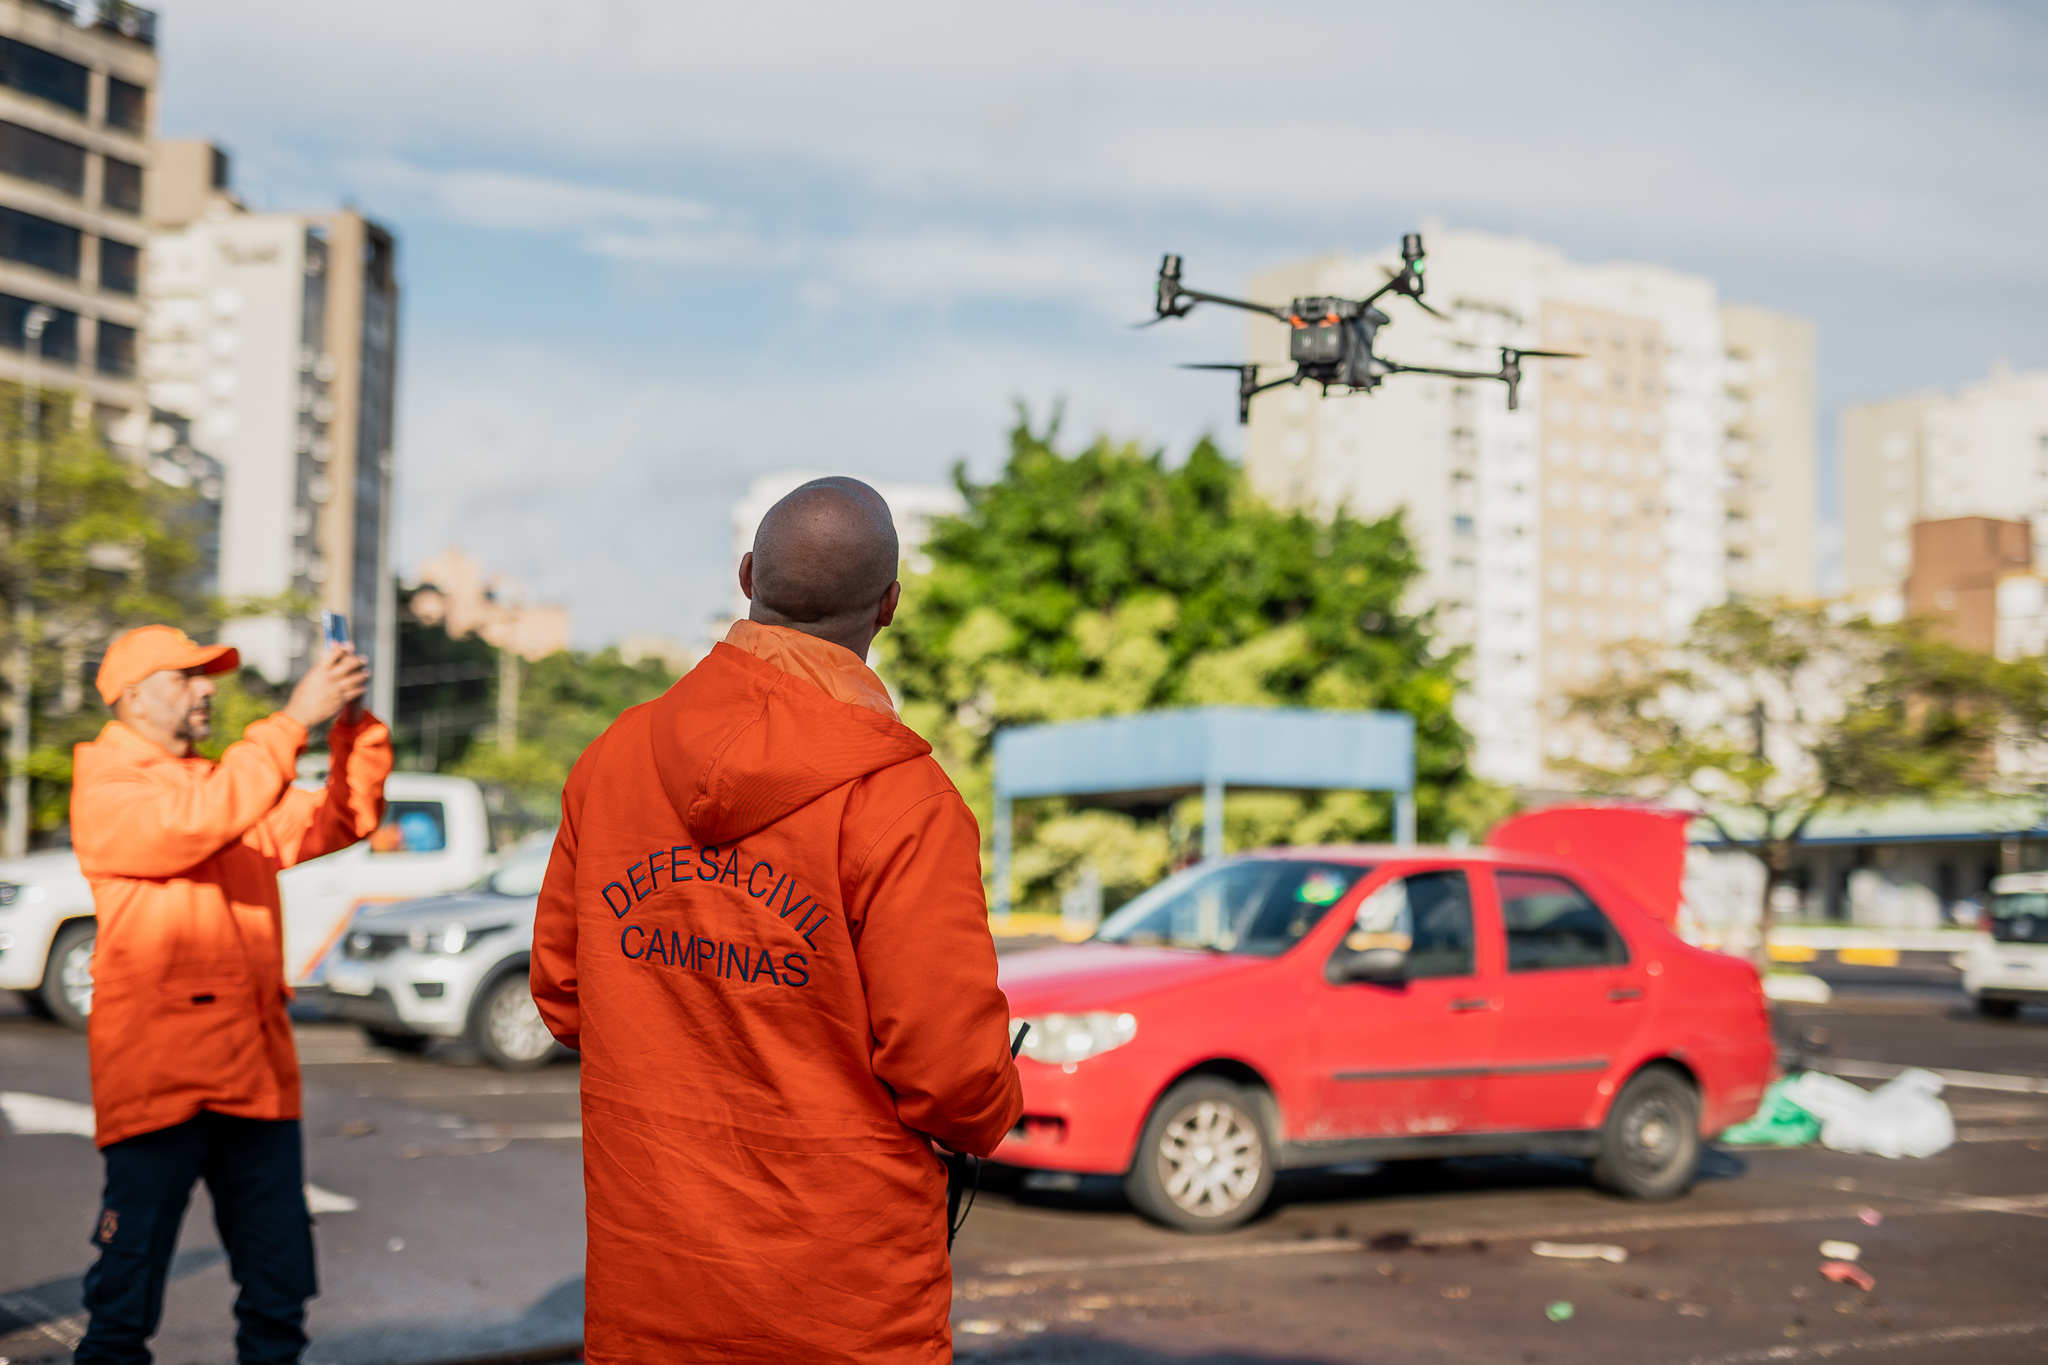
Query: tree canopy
{"type": "Point", "coordinates": [1108, 581]}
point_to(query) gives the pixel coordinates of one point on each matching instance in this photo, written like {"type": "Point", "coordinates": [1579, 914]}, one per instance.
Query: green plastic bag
{"type": "Point", "coordinates": [1777, 1122]}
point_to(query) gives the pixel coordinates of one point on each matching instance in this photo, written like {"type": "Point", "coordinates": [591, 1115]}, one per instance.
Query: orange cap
{"type": "Point", "coordinates": [147, 649]}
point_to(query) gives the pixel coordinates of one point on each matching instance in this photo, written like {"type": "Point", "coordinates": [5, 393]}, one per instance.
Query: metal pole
{"type": "Point", "coordinates": [32, 327]}
{"type": "Point", "coordinates": [1212, 819]}
{"type": "Point", "coordinates": [1004, 833]}
{"type": "Point", "coordinates": [508, 701]}
{"type": "Point", "coordinates": [1404, 818]}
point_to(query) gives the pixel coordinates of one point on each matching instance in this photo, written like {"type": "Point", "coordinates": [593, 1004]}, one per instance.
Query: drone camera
{"type": "Point", "coordinates": [1320, 342]}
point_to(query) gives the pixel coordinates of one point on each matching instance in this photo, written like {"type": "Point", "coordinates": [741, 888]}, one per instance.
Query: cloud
{"type": "Point", "coordinates": [512, 201]}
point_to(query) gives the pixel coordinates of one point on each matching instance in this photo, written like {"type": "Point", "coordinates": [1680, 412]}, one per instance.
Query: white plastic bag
{"type": "Point", "coordinates": [1903, 1117]}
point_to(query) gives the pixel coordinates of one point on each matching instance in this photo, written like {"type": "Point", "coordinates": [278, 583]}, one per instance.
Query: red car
{"type": "Point", "coordinates": [1311, 1007]}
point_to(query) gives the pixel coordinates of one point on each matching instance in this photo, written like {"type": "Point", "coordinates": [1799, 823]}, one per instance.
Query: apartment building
{"type": "Point", "coordinates": [77, 120]}
{"type": "Point", "coordinates": [275, 336]}
{"type": "Point", "coordinates": [1598, 512]}
{"type": "Point", "coordinates": [1934, 456]}
{"type": "Point", "coordinates": [1770, 474]}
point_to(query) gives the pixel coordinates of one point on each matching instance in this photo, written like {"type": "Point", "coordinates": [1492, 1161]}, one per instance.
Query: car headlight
{"type": "Point", "coordinates": [451, 938]}
{"type": "Point", "coordinates": [1058, 1038]}
{"type": "Point", "coordinates": [9, 894]}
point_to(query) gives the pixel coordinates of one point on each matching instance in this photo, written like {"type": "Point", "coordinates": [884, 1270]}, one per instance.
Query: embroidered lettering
{"type": "Point", "coordinates": [632, 929]}
{"type": "Point", "coordinates": [793, 965]}
{"type": "Point", "coordinates": [732, 869]}
{"type": "Point", "coordinates": [633, 875]}
{"type": "Point", "coordinates": [707, 863]}
{"type": "Point", "coordinates": [769, 868]}
{"type": "Point", "coordinates": [622, 904]}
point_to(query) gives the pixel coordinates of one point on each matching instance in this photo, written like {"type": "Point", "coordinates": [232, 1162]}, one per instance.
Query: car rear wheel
{"type": "Point", "coordinates": [1650, 1144]}
{"type": "Point", "coordinates": [67, 977]}
{"type": "Point", "coordinates": [1205, 1159]}
{"type": "Point", "coordinates": [1998, 1009]}
{"type": "Point", "coordinates": [509, 1030]}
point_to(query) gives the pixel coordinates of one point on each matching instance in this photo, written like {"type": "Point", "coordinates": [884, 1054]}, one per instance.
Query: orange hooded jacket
{"type": "Point", "coordinates": [189, 992]}
{"type": "Point", "coordinates": [764, 927]}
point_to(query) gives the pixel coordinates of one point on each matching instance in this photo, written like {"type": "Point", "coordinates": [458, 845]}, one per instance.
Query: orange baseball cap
{"type": "Point", "coordinates": [147, 649]}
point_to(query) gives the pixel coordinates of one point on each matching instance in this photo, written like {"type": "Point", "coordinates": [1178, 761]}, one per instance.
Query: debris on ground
{"type": "Point", "coordinates": [1559, 1311]}
{"type": "Point", "coordinates": [1841, 1251]}
{"type": "Point", "coordinates": [1778, 1122]}
{"type": "Point", "coordinates": [1903, 1117]}
{"type": "Point", "coordinates": [1848, 1272]}
{"type": "Point", "coordinates": [1580, 1251]}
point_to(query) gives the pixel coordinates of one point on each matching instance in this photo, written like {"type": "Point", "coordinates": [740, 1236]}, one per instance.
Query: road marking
{"type": "Point", "coordinates": [1963, 1080]}
{"type": "Point", "coordinates": [327, 1201]}
{"type": "Point", "coordinates": [2029, 1205]}
{"type": "Point", "coordinates": [2000, 1134]}
{"type": "Point", "coordinates": [1887, 1341]}
{"type": "Point", "coordinates": [521, 1130]}
{"type": "Point", "coordinates": [45, 1114]}
{"type": "Point", "coordinates": [65, 1331]}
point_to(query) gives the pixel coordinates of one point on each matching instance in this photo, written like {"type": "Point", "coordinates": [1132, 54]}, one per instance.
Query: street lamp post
{"type": "Point", "coordinates": [32, 327]}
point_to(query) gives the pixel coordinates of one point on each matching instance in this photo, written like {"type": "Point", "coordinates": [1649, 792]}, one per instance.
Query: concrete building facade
{"type": "Point", "coordinates": [1933, 456]}
{"type": "Point", "coordinates": [275, 336]}
{"type": "Point", "coordinates": [77, 139]}
{"type": "Point", "coordinates": [1594, 515]}
{"type": "Point", "coordinates": [1770, 451]}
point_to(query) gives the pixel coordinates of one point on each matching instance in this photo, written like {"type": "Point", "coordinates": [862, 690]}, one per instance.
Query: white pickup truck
{"type": "Point", "coordinates": [436, 837]}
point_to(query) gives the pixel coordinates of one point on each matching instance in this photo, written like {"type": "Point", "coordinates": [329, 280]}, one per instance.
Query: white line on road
{"type": "Point", "coordinates": [327, 1201]}
{"type": "Point", "coordinates": [1962, 1080]}
{"type": "Point", "coordinates": [66, 1331]}
{"type": "Point", "coordinates": [45, 1114]}
{"type": "Point", "coordinates": [521, 1130]}
{"type": "Point", "coordinates": [1887, 1341]}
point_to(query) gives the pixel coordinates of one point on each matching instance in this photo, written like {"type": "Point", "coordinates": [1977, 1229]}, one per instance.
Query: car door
{"type": "Point", "coordinates": [408, 855]}
{"type": "Point", "coordinates": [1572, 1003]}
{"type": "Point", "coordinates": [1409, 1058]}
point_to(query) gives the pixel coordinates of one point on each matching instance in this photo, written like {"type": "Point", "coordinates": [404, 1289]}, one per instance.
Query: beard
{"type": "Point", "coordinates": [198, 724]}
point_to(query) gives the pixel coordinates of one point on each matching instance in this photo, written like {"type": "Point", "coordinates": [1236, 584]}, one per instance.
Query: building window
{"type": "Point", "coordinates": [43, 74]}
{"type": "Point", "coordinates": [60, 336]}
{"type": "Point", "coordinates": [120, 266]}
{"type": "Point", "coordinates": [39, 242]}
{"type": "Point", "coordinates": [127, 105]}
{"type": "Point", "coordinates": [47, 160]}
{"type": "Point", "coordinates": [117, 350]}
{"type": "Point", "coordinates": [121, 186]}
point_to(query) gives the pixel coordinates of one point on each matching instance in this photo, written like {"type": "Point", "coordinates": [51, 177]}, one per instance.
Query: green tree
{"type": "Point", "coordinates": [106, 550]}
{"type": "Point", "coordinates": [1107, 582]}
{"type": "Point", "coordinates": [1770, 713]}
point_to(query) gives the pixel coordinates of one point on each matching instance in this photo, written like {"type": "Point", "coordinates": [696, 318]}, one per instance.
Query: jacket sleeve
{"type": "Point", "coordinates": [307, 824]}
{"type": "Point", "coordinates": [126, 825]}
{"type": "Point", "coordinates": [939, 1020]}
{"type": "Point", "coordinates": [551, 973]}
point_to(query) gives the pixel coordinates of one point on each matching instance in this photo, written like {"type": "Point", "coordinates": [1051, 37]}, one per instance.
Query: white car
{"type": "Point", "coordinates": [2008, 967]}
{"type": "Point", "coordinates": [450, 967]}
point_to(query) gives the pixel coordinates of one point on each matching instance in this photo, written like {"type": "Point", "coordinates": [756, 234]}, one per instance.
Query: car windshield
{"type": "Point", "coordinates": [1258, 906]}
{"type": "Point", "coordinates": [2020, 917]}
{"type": "Point", "coordinates": [521, 874]}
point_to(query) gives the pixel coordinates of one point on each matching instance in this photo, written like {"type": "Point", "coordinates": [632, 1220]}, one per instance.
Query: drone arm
{"type": "Point", "coordinates": [1199, 297]}
{"type": "Point", "coordinates": [1396, 367]}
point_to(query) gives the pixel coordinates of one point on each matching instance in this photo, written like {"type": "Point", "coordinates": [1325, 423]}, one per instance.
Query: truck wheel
{"type": "Point", "coordinates": [1998, 1009]}
{"type": "Point", "coordinates": [1205, 1159]}
{"type": "Point", "coordinates": [509, 1030]}
{"type": "Point", "coordinates": [411, 1043]}
{"type": "Point", "coordinates": [66, 991]}
{"type": "Point", "coordinates": [1650, 1144]}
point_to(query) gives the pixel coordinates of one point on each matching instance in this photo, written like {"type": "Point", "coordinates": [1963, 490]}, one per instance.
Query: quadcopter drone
{"type": "Point", "coordinates": [1330, 340]}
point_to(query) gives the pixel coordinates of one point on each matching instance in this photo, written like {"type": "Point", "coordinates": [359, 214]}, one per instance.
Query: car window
{"type": "Point", "coordinates": [522, 873]}
{"type": "Point", "coordinates": [411, 827]}
{"type": "Point", "coordinates": [1552, 924]}
{"type": "Point", "coordinates": [1258, 906]}
{"type": "Point", "coordinates": [2020, 917]}
{"type": "Point", "coordinates": [1427, 915]}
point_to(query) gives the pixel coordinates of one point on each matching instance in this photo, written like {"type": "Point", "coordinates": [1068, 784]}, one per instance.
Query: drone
{"type": "Point", "coordinates": [1330, 340]}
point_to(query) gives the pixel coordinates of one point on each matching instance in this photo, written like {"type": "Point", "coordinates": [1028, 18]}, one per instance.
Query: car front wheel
{"type": "Point", "coordinates": [1998, 1009]}
{"type": "Point", "coordinates": [1650, 1144]}
{"type": "Point", "coordinates": [1205, 1160]}
{"type": "Point", "coordinates": [67, 978]}
{"type": "Point", "coordinates": [509, 1030]}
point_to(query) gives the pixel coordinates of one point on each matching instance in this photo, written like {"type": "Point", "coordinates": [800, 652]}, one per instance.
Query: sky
{"type": "Point", "coordinates": [650, 249]}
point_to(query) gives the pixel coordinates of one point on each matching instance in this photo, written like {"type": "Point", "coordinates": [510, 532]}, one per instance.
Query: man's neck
{"type": "Point", "coordinates": [856, 644]}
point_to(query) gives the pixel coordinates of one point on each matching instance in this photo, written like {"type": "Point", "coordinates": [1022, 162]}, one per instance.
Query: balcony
{"type": "Point", "coordinates": [108, 16]}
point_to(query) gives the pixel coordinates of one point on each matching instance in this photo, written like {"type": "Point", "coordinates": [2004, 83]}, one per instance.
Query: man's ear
{"type": "Point", "coordinates": [886, 612]}
{"type": "Point", "coordinates": [747, 574]}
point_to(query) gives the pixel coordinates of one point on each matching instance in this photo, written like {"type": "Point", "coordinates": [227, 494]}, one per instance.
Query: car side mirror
{"type": "Point", "coordinates": [1383, 966]}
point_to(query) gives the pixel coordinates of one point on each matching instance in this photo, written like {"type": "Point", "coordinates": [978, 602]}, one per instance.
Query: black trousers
{"type": "Point", "coordinates": [254, 1171]}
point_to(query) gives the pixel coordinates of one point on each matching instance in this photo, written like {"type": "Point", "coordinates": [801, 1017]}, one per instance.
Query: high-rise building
{"type": "Point", "coordinates": [275, 335]}
{"type": "Point", "coordinates": [1932, 456]}
{"type": "Point", "coordinates": [1594, 514]}
{"type": "Point", "coordinates": [1771, 477]}
{"type": "Point", "coordinates": [77, 120]}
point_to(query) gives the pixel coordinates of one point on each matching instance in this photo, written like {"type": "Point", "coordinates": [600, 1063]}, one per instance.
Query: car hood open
{"type": "Point", "coordinates": [1089, 976]}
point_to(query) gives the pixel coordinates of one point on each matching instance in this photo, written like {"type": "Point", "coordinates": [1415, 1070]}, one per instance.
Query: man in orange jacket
{"type": "Point", "coordinates": [193, 1070]}
{"type": "Point", "coordinates": [764, 927]}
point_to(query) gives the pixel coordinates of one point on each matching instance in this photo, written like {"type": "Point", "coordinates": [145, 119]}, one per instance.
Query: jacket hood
{"type": "Point", "coordinates": [739, 744]}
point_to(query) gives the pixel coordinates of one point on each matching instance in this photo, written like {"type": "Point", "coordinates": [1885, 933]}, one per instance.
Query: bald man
{"type": "Point", "coordinates": [764, 928]}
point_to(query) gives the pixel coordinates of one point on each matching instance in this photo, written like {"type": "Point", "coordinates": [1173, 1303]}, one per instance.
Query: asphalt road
{"type": "Point", "coordinates": [466, 1238]}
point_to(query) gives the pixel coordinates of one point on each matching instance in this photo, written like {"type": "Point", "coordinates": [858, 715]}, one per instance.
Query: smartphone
{"type": "Point", "coordinates": [333, 628]}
